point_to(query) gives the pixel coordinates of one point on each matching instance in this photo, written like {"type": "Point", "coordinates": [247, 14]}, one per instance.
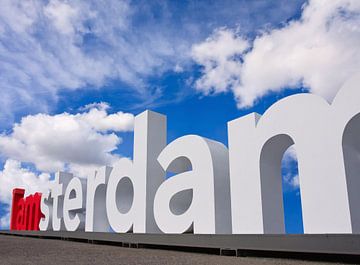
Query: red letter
{"type": "Point", "coordinates": [32, 211]}
{"type": "Point", "coordinates": [18, 195]}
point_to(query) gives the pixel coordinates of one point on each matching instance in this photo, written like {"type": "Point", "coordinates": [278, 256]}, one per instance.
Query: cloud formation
{"type": "Point", "coordinates": [56, 142]}
{"type": "Point", "coordinates": [292, 181]}
{"type": "Point", "coordinates": [14, 175]}
{"type": "Point", "coordinates": [216, 55]}
{"type": "Point", "coordinates": [47, 46]}
{"type": "Point", "coordinates": [55, 45]}
{"type": "Point", "coordinates": [289, 165]}
{"type": "Point", "coordinates": [320, 51]}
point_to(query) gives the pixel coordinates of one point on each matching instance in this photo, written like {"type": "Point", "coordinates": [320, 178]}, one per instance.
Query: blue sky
{"type": "Point", "coordinates": [71, 70]}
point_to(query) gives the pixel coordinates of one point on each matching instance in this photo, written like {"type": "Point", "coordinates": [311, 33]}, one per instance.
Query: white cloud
{"type": "Point", "coordinates": [101, 121]}
{"type": "Point", "coordinates": [14, 176]}
{"type": "Point", "coordinates": [216, 55]}
{"type": "Point", "coordinates": [289, 155]}
{"type": "Point", "coordinates": [66, 140]}
{"type": "Point", "coordinates": [288, 164]}
{"type": "Point", "coordinates": [319, 51]}
{"type": "Point", "coordinates": [178, 68]}
{"type": "Point", "coordinates": [292, 181]}
{"type": "Point", "coordinates": [5, 221]}
{"type": "Point", "coordinates": [62, 15]}
{"type": "Point", "coordinates": [295, 182]}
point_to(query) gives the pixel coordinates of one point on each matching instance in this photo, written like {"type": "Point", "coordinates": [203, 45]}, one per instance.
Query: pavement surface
{"type": "Point", "coordinates": [24, 250]}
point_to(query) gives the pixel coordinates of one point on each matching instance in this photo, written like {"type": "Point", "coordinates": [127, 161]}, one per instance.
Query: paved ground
{"type": "Point", "coordinates": [21, 250]}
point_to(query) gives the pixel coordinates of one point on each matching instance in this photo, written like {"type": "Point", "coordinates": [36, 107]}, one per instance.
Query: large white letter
{"type": "Point", "coordinates": [96, 218]}
{"type": "Point", "coordinates": [46, 208]}
{"type": "Point", "coordinates": [123, 202]}
{"type": "Point", "coordinates": [74, 205]}
{"type": "Point", "coordinates": [198, 198]}
{"type": "Point", "coordinates": [346, 120]}
{"type": "Point", "coordinates": [58, 186]}
{"type": "Point", "coordinates": [329, 194]}
{"type": "Point", "coordinates": [143, 176]}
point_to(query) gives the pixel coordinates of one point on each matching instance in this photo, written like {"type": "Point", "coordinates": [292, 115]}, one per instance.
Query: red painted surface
{"type": "Point", "coordinates": [17, 196]}
{"type": "Point", "coordinates": [25, 212]}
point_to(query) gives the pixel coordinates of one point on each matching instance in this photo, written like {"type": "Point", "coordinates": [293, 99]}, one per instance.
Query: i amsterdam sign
{"type": "Point", "coordinates": [214, 189]}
